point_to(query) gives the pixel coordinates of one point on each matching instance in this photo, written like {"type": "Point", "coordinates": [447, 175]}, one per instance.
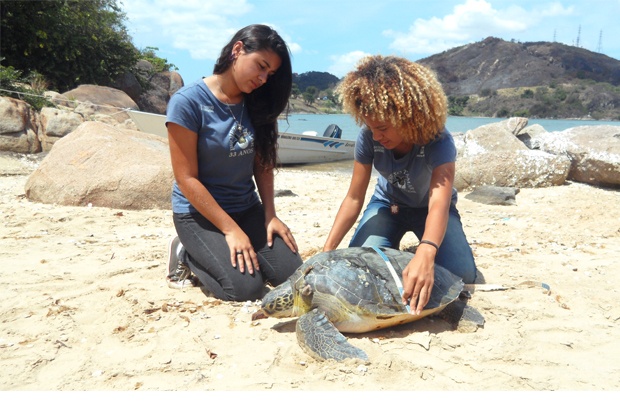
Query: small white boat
{"type": "Point", "coordinates": [292, 148]}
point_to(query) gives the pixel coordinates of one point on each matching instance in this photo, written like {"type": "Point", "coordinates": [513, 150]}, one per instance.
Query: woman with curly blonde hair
{"type": "Point", "coordinates": [402, 110]}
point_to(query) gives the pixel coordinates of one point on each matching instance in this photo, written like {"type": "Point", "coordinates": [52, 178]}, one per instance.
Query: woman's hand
{"type": "Point", "coordinates": [242, 251]}
{"type": "Point", "coordinates": [418, 279]}
{"type": "Point", "coordinates": [276, 226]}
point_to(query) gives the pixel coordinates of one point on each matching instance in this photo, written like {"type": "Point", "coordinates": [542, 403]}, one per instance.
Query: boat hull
{"type": "Point", "coordinates": [292, 148]}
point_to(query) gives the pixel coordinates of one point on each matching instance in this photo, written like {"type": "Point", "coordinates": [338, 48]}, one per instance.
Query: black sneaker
{"type": "Point", "coordinates": [178, 275]}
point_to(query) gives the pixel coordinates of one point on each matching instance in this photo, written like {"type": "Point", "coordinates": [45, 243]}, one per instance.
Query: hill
{"type": "Point", "coordinates": [497, 78]}
{"type": "Point", "coordinates": [320, 80]}
{"type": "Point", "coordinates": [497, 64]}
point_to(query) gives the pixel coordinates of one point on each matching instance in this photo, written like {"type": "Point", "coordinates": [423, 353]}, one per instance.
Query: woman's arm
{"type": "Point", "coordinates": [351, 205]}
{"type": "Point", "coordinates": [184, 156]}
{"type": "Point", "coordinates": [419, 274]}
{"type": "Point", "coordinates": [264, 184]}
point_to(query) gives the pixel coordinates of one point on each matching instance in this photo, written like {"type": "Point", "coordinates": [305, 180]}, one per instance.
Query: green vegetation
{"type": "Point", "coordinates": [69, 42]}
{"type": "Point", "coordinates": [456, 105]}
{"type": "Point", "coordinates": [579, 99]}
{"type": "Point", "coordinates": [29, 89]}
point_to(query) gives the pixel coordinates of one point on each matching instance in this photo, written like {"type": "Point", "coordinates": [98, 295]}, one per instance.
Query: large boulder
{"type": "Point", "coordinates": [104, 166]}
{"type": "Point", "coordinates": [55, 124]}
{"type": "Point", "coordinates": [18, 127]}
{"type": "Point", "coordinates": [594, 153]}
{"type": "Point", "coordinates": [160, 88]}
{"type": "Point", "coordinates": [519, 169]}
{"type": "Point", "coordinates": [493, 155]}
{"type": "Point", "coordinates": [98, 100]}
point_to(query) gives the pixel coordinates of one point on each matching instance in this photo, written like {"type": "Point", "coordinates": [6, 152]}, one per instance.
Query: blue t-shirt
{"type": "Point", "coordinates": [405, 181]}
{"type": "Point", "coordinates": [225, 157]}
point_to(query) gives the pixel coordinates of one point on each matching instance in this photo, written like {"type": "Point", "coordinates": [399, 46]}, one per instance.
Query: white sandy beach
{"type": "Point", "coordinates": [85, 307]}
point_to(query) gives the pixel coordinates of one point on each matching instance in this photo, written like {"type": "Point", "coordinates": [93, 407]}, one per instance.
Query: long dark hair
{"type": "Point", "coordinates": [267, 102]}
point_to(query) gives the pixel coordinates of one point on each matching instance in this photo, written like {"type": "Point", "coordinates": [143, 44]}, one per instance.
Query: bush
{"type": "Point", "coordinates": [15, 86]}
{"type": "Point", "coordinates": [527, 94]}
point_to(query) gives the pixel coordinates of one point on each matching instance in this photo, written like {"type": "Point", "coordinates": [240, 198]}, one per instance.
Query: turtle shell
{"type": "Point", "coordinates": [357, 292]}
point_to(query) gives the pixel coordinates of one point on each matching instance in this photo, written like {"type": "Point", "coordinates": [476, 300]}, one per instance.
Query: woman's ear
{"type": "Point", "coordinates": [237, 49]}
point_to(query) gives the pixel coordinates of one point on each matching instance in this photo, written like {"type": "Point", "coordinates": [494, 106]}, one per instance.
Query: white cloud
{"type": "Point", "coordinates": [469, 21]}
{"type": "Point", "coordinates": [345, 63]}
{"type": "Point", "coordinates": [200, 27]}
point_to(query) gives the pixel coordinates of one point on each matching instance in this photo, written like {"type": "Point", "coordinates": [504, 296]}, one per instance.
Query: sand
{"type": "Point", "coordinates": [85, 307]}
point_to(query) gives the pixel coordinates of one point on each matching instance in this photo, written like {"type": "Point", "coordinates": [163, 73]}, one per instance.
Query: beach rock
{"type": "Point", "coordinates": [493, 155]}
{"type": "Point", "coordinates": [18, 127]}
{"type": "Point", "coordinates": [160, 89]}
{"type": "Point", "coordinates": [104, 166]}
{"type": "Point", "coordinates": [514, 124]}
{"type": "Point", "coordinates": [520, 169]}
{"type": "Point", "coordinates": [490, 137]}
{"type": "Point", "coordinates": [530, 136]}
{"type": "Point", "coordinates": [129, 84]}
{"type": "Point", "coordinates": [55, 124]}
{"type": "Point", "coordinates": [100, 100]}
{"type": "Point", "coordinates": [593, 151]}
{"type": "Point", "coordinates": [493, 195]}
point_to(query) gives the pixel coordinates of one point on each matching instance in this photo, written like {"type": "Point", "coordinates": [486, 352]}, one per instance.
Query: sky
{"type": "Point", "coordinates": [332, 35]}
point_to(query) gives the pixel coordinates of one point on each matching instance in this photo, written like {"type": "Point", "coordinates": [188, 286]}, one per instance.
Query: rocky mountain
{"type": "Point", "coordinates": [499, 78]}
{"type": "Point", "coordinates": [495, 64]}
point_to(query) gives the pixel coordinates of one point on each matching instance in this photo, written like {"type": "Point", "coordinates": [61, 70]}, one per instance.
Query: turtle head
{"type": "Point", "coordinates": [277, 303]}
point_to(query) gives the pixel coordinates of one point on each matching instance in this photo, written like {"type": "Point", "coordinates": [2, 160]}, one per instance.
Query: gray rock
{"type": "Point", "coordinates": [55, 124]}
{"type": "Point", "coordinates": [18, 127]}
{"type": "Point", "coordinates": [104, 166]}
{"type": "Point", "coordinates": [493, 155]}
{"type": "Point", "coordinates": [594, 153]}
{"type": "Point", "coordinates": [521, 169]}
{"type": "Point", "coordinates": [530, 136]}
{"type": "Point", "coordinates": [493, 195]}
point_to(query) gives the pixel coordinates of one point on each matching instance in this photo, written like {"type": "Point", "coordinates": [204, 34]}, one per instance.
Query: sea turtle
{"type": "Point", "coordinates": [355, 290]}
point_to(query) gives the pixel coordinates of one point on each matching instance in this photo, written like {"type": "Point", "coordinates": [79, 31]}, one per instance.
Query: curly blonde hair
{"type": "Point", "coordinates": [395, 90]}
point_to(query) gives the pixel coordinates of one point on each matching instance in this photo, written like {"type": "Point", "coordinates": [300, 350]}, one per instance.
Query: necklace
{"type": "Point", "coordinates": [237, 131]}
{"type": "Point", "coordinates": [238, 128]}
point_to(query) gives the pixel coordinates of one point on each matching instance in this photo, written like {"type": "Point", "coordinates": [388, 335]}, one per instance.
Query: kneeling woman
{"type": "Point", "coordinates": [402, 110]}
{"type": "Point", "coordinates": [223, 132]}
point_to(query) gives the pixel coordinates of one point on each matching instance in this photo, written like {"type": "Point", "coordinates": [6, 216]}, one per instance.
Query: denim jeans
{"type": "Point", "coordinates": [207, 254]}
{"type": "Point", "coordinates": [379, 227]}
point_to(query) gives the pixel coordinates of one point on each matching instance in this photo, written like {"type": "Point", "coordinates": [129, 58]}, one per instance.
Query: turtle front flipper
{"type": "Point", "coordinates": [321, 340]}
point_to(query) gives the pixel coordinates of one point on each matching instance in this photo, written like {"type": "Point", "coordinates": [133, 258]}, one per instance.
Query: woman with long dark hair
{"type": "Point", "coordinates": [223, 135]}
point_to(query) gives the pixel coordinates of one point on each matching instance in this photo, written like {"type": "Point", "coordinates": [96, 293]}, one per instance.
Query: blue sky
{"type": "Point", "coordinates": [332, 35]}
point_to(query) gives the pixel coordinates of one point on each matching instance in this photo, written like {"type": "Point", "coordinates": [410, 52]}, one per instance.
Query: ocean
{"type": "Point", "coordinates": [300, 123]}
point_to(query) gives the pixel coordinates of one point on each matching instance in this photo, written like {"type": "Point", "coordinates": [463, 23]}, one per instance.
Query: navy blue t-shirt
{"type": "Point", "coordinates": [405, 181]}
{"type": "Point", "coordinates": [225, 158]}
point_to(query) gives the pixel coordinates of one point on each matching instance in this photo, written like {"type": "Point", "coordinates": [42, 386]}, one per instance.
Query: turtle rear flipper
{"type": "Point", "coordinates": [321, 340]}
{"type": "Point", "coordinates": [462, 317]}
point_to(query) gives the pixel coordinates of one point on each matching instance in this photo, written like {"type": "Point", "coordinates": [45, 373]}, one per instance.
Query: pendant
{"type": "Point", "coordinates": [242, 139]}
{"type": "Point", "coordinates": [394, 209]}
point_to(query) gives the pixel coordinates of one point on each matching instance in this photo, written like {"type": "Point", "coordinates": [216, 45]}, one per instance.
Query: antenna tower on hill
{"type": "Point", "coordinates": [599, 49]}
{"type": "Point", "coordinates": [554, 33]}
{"type": "Point", "coordinates": [578, 42]}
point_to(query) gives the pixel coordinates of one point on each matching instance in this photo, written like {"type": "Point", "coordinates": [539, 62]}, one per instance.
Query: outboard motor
{"type": "Point", "coordinates": [332, 131]}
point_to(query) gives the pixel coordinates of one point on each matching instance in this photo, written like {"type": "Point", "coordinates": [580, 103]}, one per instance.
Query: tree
{"type": "Point", "coordinates": [70, 42]}
{"type": "Point", "coordinates": [308, 98]}
{"type": "Point", "coordinates": [295, 91]}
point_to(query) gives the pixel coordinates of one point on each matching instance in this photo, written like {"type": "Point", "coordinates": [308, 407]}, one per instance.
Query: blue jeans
{"type": "Point", "coordinates": [379, 227]}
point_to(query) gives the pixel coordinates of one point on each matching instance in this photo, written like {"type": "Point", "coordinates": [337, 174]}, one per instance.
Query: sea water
{"type": "Point", "coordinates": [300, 123]}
